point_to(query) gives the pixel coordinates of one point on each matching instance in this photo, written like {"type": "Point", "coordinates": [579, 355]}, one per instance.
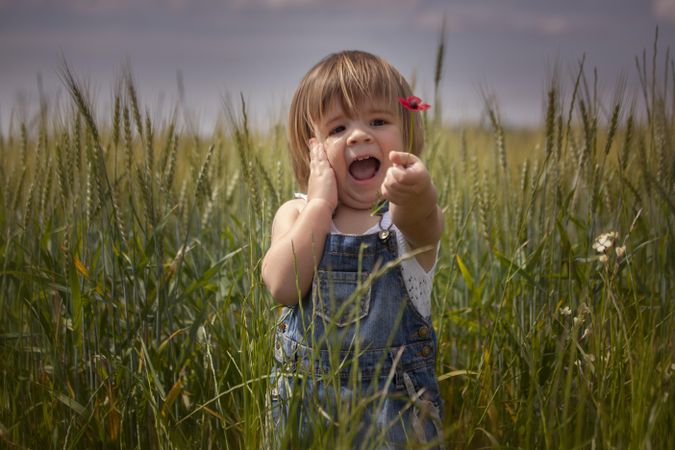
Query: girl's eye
{"type": "Point", "coordinates": [377, 122]}
{"type": "Point", "coordinates": [336, 130]}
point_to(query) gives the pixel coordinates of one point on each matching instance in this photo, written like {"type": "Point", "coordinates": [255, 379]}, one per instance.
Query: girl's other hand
{"type": "Point", "coordinates": [322, 184]}
{"type": "Point", "coordinates": [406, 179]}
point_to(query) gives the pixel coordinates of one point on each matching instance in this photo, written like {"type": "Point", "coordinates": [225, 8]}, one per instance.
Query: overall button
{"type": "Point", "coordinates": [426, 351]}
{"type": "Point", "coordinates": [423, 331]}
{"type": "Point", "coordinates": [282, 327]}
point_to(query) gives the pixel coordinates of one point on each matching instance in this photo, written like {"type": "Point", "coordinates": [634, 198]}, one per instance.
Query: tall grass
{"type": "Point", "coordinates": [133, 313]}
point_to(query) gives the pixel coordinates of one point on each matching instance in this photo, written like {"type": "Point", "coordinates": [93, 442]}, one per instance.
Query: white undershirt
{"type": "Point", "coordinates": [417, 281]}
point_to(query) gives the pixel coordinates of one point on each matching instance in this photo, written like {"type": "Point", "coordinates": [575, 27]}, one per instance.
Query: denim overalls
{"type": "Point", "coordinates": [356, 343]}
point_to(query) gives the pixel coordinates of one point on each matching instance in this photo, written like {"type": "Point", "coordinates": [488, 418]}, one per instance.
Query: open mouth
{"type": "Point", "coordinates": [364, 168]}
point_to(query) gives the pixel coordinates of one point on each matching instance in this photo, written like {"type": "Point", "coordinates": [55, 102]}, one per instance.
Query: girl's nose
{"type": "Point", "coordinates": [359, 135]}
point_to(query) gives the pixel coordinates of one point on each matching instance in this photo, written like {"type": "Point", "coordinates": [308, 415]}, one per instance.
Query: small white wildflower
{"type": "Point", "coordinates": [668, 371]}
{"type": "Point", "coordinates": [67, 323]}
{"type": "Point", "coordinates": [620, 251]}
{"type": "Point", "coordinates": [586, 333]}
{"type": "Point", "coordinates": [605, 241]}
{"type": "Point", "coordinates": [578, 321]}
{"type": "Point", "coordinates": [589, 360]}
{"type": "Point", "coordinates": [186, 400]}
{"type": "Point", "coordinates": [201, 334]}
{"type": "Point", "coordinates": [566, 311]}
{"type": "Point", "coordinates": [603, 259]}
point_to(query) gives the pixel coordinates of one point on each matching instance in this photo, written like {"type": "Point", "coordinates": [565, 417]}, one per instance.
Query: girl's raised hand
{"type": "Point", "coordinates": [322, 184]}
{"type": "Point", "coordinates": [406, 179]}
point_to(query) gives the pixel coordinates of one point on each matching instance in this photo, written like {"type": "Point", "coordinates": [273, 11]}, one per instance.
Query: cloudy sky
{"type": "Point", "coordinates": [261, 48]}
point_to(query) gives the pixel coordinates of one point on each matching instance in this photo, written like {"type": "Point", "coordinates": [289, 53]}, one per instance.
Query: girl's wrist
{"type": "Point", "coordinates": [418, 207]}
{"type": "Point", "coordinates": [321, 203]}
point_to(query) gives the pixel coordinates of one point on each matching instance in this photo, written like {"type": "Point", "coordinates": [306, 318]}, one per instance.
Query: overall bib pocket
{"type": "Point", "coordinates": [341, 298]}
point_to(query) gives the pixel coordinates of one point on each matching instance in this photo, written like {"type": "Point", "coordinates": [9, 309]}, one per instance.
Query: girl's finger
{"type": "Point", "coordinates": [324, 155]}
{"type": "Point", "coordinates": [396, 174]}
{"type": "Point", "coordinates": [312, 148]}
{"type": "Point", "coordinates": [404, 159]}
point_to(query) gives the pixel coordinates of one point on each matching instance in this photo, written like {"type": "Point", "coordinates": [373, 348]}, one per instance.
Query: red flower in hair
{"type": "Point", "coordinates": [414, 104]}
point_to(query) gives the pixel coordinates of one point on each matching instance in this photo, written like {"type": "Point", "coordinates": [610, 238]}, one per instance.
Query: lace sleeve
{"type": "Point", "coordinates": [418, 281]}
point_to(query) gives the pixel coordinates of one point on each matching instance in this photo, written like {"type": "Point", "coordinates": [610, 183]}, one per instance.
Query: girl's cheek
{"type": "Point", "coordinates": [333, 140]}
{"type": "Point", "coordinates": [333, 148]}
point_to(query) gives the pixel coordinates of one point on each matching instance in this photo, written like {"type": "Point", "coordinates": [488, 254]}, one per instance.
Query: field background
{"type": "Point", "coordinates": [132, 312]}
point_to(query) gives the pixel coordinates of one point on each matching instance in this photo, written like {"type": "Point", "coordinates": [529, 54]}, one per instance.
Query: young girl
{"type": "Point", "coordinates": [356, 285]}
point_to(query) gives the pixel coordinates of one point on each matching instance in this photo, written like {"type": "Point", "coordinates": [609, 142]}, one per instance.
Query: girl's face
{"type": "Point", "coordinates": [358, 149]}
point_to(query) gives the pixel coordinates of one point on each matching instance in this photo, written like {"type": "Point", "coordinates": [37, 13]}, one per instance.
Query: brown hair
{"type": "Point", "coordinates": [348, 76]}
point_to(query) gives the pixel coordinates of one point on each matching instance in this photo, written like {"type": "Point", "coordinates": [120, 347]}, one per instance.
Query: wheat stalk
{"type": "Point", "coordinates": [208, 209]}
{"type": "Point", "coordinates": [62, 177]}
{"type": "Point", "coordinates": [182, 204]}
{"type": "Point", "coordinates": [231, 187]}
{"type": "Point", "coordinates": [148, 210]}
{"type": "Point", "coordinates": [46, 190]}
{"type": "Point", "coordinates": [149, 147]}
{"type": "Point", "coordinates": [166, 151]}
{"type": "Point", "coordinates": [28, 208]}
{"type": "Point", "coordinates": [201, 185]}
{"type": "Point", "coordinates": [89, 194]}
{"type": "Point", "coordinates": [19, 187]}
{"type": "Point", "coordinates": [131, 92]}
{"type": "Point", "coordinates": [170, 164]}
{"type": "Point", "coordinates": [624, 154]}
{"type": "Point", "coordinates": [116, 120]}
{"type": "Point", "coordinates": [24, 145]}
{"type": "Point", "coordinates": [77, 143]}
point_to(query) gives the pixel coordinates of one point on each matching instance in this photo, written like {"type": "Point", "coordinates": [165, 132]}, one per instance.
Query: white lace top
{"type": "Point", "coordinates": [417, 280]}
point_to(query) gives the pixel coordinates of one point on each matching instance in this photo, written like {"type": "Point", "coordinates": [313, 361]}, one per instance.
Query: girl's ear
{"type": "Point", "coordinates": [314, 130]}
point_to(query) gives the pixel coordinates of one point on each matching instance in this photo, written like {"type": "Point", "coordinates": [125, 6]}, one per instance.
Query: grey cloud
{"type": "Point", "coordinates": [263, 47]}
{"type": "Point", "coordinates": [664, 9]}
{"type": "Point", "coordinates": [104, 6]}
{"type": "Point", "coordinates": [505, 17]}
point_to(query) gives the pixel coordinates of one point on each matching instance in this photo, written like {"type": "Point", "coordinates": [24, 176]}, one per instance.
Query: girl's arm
{"type": "Point", "coordinates": [414, 207]}
{"type": "Point", "coordinates": [299, 233]}
{"type": "Point", "coordinates": [298, 237]}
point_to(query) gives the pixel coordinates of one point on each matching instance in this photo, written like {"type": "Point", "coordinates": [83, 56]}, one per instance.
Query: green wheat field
{"type": "Point", "coordinates": [133, 314]}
